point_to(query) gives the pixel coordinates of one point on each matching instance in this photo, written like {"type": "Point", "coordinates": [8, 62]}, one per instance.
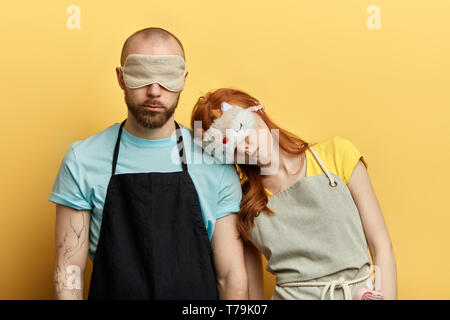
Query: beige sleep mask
{"type": "Point", "coordinates": [140, 70]}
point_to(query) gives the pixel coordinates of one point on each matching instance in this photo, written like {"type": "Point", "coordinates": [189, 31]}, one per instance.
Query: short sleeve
{"type": "Point", "coordinates": [230, 192]}
{"type": "Point", "coordinates": [347, 156]}
{"type": "Point", "coordinates": [66, 188]}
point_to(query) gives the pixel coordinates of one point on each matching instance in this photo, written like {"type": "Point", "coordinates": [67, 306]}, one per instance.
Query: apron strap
{"type": "Point", "coordinates": [332, 183]}
{"type": "Point", "coordinates": [116, 148]}
{"type": "Point", "coordinates": [180, 145]}
{"type": "Point", "coordinates": [330, 285]}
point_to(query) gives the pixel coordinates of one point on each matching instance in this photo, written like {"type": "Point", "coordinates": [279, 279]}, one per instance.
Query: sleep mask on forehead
{"type": "Point", "coordinates": [140, 70]}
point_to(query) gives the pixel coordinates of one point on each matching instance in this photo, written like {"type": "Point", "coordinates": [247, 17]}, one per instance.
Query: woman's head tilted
{"type": "Point", "coordinates": [263, 140]}
{"type": "Point", "coordinates": [232, 127]}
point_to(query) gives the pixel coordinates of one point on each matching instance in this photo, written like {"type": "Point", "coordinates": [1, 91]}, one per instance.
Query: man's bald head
{"type": "Point", "coordinates": [152, 41]}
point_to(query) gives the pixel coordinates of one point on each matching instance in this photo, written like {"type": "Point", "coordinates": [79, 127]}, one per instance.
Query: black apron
{"type": "Point", "coordinates": [153, 242]}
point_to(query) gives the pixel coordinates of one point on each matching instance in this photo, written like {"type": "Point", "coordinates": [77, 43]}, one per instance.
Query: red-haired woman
{"type": "Point", "coordinates": [315, 217]}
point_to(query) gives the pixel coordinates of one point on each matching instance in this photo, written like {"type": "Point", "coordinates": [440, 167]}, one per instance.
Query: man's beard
{"type": "Point", "coordinates": [151, 119]}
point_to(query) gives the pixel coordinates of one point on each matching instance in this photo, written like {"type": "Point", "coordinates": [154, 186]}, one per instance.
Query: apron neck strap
{"type": "Point", "coordinates": [116, 148]}
{"type": "Point", "coordinates": [180, 145]}
{"type": "Point", "coordinates": [329, 176]}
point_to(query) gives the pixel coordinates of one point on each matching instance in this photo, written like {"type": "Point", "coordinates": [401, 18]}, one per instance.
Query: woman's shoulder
{"type": "Point", "coordinates": [332, 144]}
{"type": "Point", "coordinates": [338, 154]}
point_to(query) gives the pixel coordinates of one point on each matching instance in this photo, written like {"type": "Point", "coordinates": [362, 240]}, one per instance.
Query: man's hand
{"type": "Point", "coordinates": [72, 244]}
{"type": "Point", "coordinates": [228, 254]}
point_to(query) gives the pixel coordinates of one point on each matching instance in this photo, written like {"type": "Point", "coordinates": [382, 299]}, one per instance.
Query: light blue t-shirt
{"type": "Point", "coordinates": [86, 169]}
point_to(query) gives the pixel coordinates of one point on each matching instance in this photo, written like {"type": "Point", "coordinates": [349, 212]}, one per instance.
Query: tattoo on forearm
{"type": "Point", "coordinates": [66, 274]}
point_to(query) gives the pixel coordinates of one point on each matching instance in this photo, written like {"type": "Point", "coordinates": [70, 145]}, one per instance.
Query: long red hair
{"type": "Point", "coordinates": [254, 198]}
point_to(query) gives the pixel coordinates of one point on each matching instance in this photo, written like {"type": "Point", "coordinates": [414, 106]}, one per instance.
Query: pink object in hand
{"type": "Point", "coordinates": [368, 294]}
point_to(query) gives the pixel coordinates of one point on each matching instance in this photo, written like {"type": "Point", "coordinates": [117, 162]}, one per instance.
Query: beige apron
{"type": "Point", "coordinates": [315, 242]}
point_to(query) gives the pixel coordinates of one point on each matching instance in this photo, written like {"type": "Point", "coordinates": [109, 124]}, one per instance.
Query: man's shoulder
{"type": "Point", "coordinates": [94, 145]}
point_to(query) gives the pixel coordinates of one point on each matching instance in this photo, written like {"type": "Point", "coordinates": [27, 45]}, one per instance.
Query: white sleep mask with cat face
{"type": "Point", "coordinates": [227, 131]}
{"type": "Point", "coordinates": [140, 70]}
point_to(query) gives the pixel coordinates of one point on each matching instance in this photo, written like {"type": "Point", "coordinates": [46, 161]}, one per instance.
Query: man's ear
{"type": "Point", "coordinates": [120, 78]}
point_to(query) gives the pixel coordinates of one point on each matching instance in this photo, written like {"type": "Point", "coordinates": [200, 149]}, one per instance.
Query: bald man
{"type": "Point", "coordinates": [156, 224]}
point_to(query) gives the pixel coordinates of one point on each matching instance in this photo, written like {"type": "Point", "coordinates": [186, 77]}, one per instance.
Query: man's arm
{"type": "Point", "coordinates": [228, 254]}
{"type": "Point", "coordinates": [72, 244]}
{"type": "Point", "coordinates": [253, 263]}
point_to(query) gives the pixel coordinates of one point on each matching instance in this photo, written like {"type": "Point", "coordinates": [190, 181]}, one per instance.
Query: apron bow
{"type": "Point", "coordinates": [341, 283]}
{"type": "Point", "coordinates": [330, 285]}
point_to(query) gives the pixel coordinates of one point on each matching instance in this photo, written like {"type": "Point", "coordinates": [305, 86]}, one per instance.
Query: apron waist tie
{"type": "Point", "coordinates": [329, 285]}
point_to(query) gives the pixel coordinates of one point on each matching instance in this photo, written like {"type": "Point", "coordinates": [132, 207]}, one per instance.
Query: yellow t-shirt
{"type": "Point", "coordinates": [338, 155]}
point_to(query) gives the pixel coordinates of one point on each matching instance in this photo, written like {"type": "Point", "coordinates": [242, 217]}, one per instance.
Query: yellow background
{"type": "Point", "coordinates": [315, 65]}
